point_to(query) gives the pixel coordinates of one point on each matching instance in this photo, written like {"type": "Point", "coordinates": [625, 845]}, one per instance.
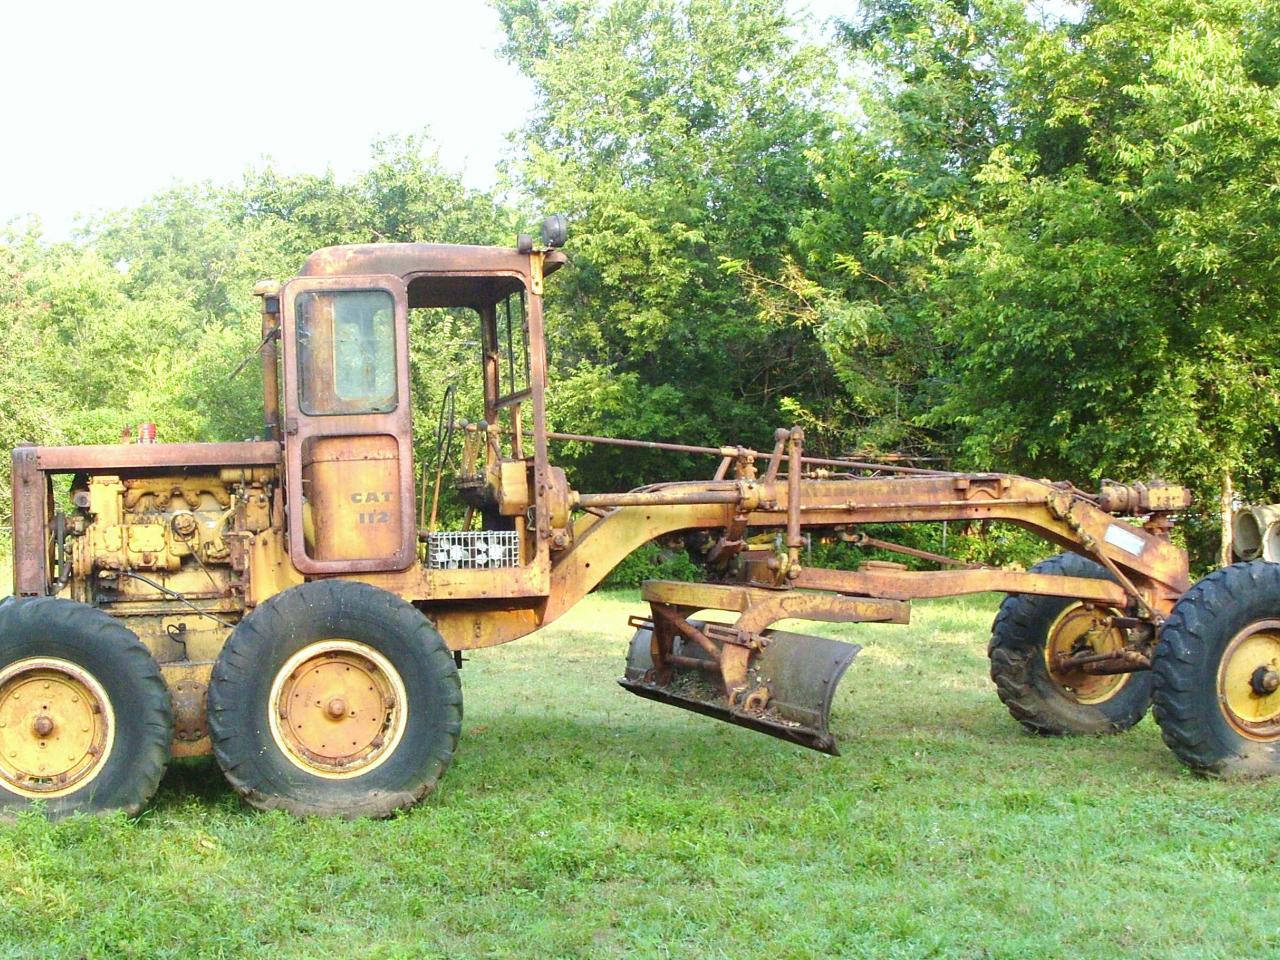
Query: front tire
{"type": "Point", "coordinates": [1029, 629]}
{"type": "Point", "coordinates": [85, 716]}
{"type": "Point", "coordinates": [1217, 669]}
{"type": "Point", "coordinates": [335, 698]}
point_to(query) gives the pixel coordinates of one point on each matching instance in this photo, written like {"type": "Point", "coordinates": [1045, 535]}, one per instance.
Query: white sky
{"type": "Point", "coordinates": [109, 102]}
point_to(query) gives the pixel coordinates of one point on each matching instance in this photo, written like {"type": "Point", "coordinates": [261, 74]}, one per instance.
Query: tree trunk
{"type": "Point", "coordinates": [1225, 502]}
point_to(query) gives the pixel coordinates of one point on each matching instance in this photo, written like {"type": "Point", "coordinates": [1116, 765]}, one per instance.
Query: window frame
{"type": "Point", "coordinates": [396, 395]}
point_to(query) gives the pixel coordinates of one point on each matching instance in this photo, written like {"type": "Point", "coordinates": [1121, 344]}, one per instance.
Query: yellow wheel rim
{"type": "Point", "coordinates": [1249, 681]}
{"type": "Point", "coordinates": [338, 709]}
{"type": "Point", "coordinates": [1082, 628]}
{"type": "Point", "coordinates": [57, 727]}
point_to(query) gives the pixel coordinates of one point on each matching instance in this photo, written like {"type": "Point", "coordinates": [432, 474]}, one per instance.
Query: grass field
{"type": "Point", "coordinates": [579, 821]}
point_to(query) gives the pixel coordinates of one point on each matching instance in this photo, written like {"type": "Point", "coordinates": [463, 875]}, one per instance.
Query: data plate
{"type": "Point", "coordinates": [1125, 538]}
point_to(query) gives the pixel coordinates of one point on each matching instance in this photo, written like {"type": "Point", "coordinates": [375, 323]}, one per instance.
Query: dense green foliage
{"type": "Point", "coordinates": [652, 562]}
{"type": "Point", "coordinates": [1064, 237]}
{"type": "Point", "coordinates": [674, 135]}
{"type": "Point", "coordinates": [579, 821]}
{"type": "Point", "coordinates": [957, 229]}
{"type": "Point", "coordinates": [1042, 246]}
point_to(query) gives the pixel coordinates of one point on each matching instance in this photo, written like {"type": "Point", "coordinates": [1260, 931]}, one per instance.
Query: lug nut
{"type": "Point", "coordinates": [43, 725]}
{"type": "Point", "coordinates": [1264, 681]}
{"type": "Point", "coordinates": [337, 708]}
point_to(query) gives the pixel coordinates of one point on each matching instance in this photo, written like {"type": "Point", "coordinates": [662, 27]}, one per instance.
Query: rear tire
{"type": "Point", "coordinates": [335, 698]}
{"type": "Point", "coordinates": [1217, 670]}
{"type": "Point", "coordinates": [1040, 701]}
{"type": "Point", "coordinates": [85, 716]}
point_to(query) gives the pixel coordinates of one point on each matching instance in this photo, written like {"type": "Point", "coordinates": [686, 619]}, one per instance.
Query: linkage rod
{"type": "Point", "coordinates": [735, 451]}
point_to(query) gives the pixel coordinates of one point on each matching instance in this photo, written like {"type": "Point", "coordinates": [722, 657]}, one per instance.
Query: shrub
{"type": "Point", "coordinates": [652, 562]}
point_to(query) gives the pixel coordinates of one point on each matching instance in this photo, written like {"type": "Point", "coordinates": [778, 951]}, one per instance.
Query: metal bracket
{"type": "Point", "coordinates": [535, 272]}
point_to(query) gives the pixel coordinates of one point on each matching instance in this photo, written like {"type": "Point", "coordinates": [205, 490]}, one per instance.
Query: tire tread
{"type": "Point", "coordinates": [276, 618]}
{"type": "Point", "coordinates": [1188, 653]}
{"type": "Point", "coordinates": [1016, 640]}
{"type": "Point", "coordinates": [78, 623]}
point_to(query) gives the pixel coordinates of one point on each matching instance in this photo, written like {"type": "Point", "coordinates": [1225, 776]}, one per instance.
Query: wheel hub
{"type": "Point", "coordinates": [338, 708]}
{"type": "Point", "coordinates": [1264, 681]}
{"type": "Point", "coordinates": [1082, 628]}
{"type": "Point", "coordinates": [1249, 680]}
{"type": "Point", "coordinates": [56, 727]}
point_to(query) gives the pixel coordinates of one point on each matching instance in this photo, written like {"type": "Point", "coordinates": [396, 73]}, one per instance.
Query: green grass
{"type": "Point", "coordinates": [579, 821]}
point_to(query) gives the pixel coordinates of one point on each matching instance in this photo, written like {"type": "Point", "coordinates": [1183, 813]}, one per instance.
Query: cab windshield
{"type": "Point", "coordinates": [346, 352]}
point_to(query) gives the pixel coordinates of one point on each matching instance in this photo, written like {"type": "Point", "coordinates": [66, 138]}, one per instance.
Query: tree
{"type": "Point", "coordinates": [1068, 231]}
{"type": "Point", "coordinates": [675, 135]}
{"type": "Point", "coordinates": [1115, 316]}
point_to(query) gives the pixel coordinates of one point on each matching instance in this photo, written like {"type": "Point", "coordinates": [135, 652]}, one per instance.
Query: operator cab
{"type": "Point", "coordinates": [350, 324]}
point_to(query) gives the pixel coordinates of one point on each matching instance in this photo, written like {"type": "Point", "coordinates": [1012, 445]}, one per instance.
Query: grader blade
{"type": "Point", "coordinates": [799, 672]}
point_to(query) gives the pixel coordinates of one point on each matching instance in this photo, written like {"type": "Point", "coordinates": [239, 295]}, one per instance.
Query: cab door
{"type": "Point", "coordinates": [348, 419]}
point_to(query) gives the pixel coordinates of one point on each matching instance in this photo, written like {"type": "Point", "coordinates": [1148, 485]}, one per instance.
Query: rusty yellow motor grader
{"type": "Point", "coordinates": [285, 604]}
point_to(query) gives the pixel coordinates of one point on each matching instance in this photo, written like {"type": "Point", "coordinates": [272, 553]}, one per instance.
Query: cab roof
{"type": "Point", "coordinates": [411, 259]}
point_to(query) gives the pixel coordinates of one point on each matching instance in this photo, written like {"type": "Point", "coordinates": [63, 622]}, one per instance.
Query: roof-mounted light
{"type": "Point", "coordinates": [555, 231]}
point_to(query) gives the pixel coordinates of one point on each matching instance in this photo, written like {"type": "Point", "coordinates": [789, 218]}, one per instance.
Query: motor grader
{"type": "Point", "coordinates": [292, 606]}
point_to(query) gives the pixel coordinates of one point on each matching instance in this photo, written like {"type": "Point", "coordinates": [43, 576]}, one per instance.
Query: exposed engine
{"type": "Point", "coordinates": [169, 552]}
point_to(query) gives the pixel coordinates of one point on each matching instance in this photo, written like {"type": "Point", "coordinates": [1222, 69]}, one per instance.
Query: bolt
{"type": "Point", "coordinates": [337, 707]}
{"type": "Point", "coordinates": [1264, 681]}
{"type": "Point", "coordinates": [43, 725]}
